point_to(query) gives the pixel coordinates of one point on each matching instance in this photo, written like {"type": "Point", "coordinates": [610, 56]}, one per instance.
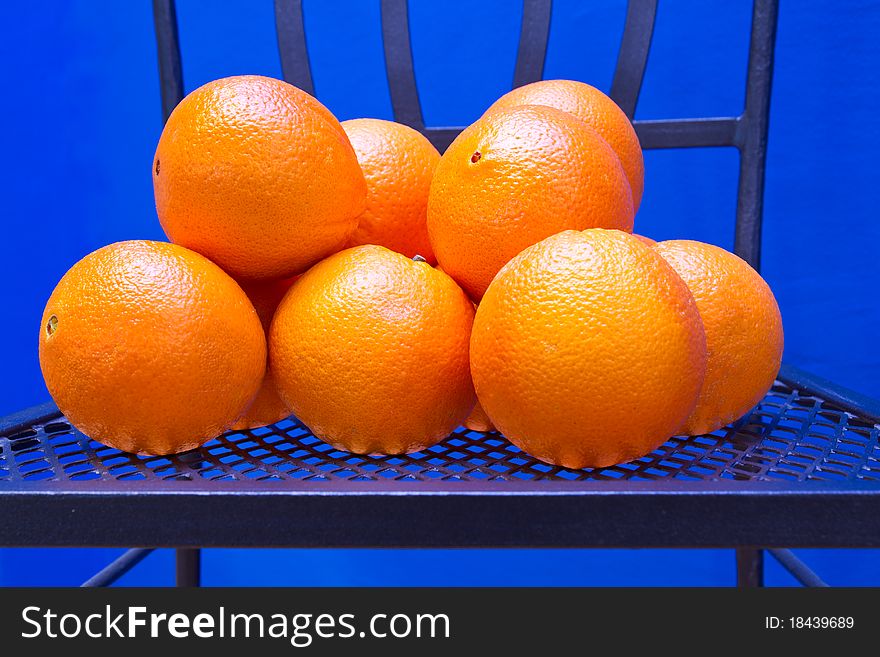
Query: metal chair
{"type": "Point", "coordinates": [774, 479]}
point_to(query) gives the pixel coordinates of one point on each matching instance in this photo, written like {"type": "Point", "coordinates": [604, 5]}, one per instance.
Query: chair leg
{"type": "Point", "coordinates": [118, 567]}
{"type": "Point", "coordinates": [749, 567]}
{"type": "Point", "coordinates": [188, 565]}
{"type": "Point", "coordinates": [796, 568]}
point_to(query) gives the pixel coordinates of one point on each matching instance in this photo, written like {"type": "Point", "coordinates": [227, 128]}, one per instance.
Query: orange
{"type": "Point", "coordinates": [588, 350]}
{"type": "Point", "coordinates": [511, 179]}
{"type": "Point", "coordinates": [150, 348]}
{"type": "Point", "coordinates": [478, 420]}
{"type": "Point", "coordinates": [258, 176]}
{"type": "Point", "coordinates": [597, 110]}
{"type": "Point", "coordinates": [267, 407]}
{"type": "Point", "coordinates": [398, 164]}
{"type": "Point", "coordinates": [370, 350]}
{"type": "Point", "coordinates": [645, 240]}
{"type": "Point", "coordinates": [743, 331]}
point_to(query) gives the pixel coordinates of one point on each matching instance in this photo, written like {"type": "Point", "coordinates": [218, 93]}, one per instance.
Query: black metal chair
{"type": "Point", "coordinates": [802, 469]}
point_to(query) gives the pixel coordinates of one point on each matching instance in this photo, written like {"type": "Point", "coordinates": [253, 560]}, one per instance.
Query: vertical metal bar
{"type": "Point", "coordinates": [749, 567]}
{"type": "Point", "coordinates": [399, 64]}
{"type": "Point", "coordinates": [633, 56]}
{"type": "Point", "coordinates": [290, 27]}
{"type": "Point", "coordinates": [168, 47]}
{"type": "Point", "coordinates": [753, 133]}
{"type": "Point", "coordinates": [188, 567]}
{"type": "Point", "coordinates": [532, 49]}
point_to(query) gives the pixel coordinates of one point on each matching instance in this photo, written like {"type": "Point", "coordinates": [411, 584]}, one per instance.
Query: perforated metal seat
{"type": "Point", "coordinates": [802, 469]}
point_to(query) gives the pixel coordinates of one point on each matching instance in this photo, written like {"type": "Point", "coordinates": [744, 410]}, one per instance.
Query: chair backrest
{"type": "Point", "coordinates": [747, 131]}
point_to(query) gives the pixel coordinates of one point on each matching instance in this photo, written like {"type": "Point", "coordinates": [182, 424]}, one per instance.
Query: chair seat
{"type": "Point", "coordinates": [794, 444]}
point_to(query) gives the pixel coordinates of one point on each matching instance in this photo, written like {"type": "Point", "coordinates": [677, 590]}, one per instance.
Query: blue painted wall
{"type": "Point", "coordinates": [81, 116]}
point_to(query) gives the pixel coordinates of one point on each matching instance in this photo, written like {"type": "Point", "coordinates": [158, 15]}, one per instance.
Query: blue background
{"type": "Point", "coordinates": [81, 119]}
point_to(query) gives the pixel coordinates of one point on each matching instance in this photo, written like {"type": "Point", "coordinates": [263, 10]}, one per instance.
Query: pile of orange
{"type": "Point", "coordinates": [350, 275]}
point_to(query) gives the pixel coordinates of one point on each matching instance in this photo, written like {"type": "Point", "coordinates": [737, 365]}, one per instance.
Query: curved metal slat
{"type": "Point", "coordinates": [399, 64]}
{"type": "Point", "coordinates": [532, 49]}
{"type": "Point", "coordinates": [168, 47]}
{"type": "Point", "coordinates": [755, 120]}
{"type": "Point", "coordinates": [633, 56]}
{"type": "Point", "coordinates": [292, 48]}
{"type": "Point", "coordinates": [687, 133]}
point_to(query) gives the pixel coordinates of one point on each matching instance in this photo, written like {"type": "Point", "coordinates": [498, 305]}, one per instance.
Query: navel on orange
{"type": "Point", "coordinates": [588, 350]}
{"type": "Point", "coordinates": [258, 176]}
{"type": "Point", "coordinates": [150, 348]}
